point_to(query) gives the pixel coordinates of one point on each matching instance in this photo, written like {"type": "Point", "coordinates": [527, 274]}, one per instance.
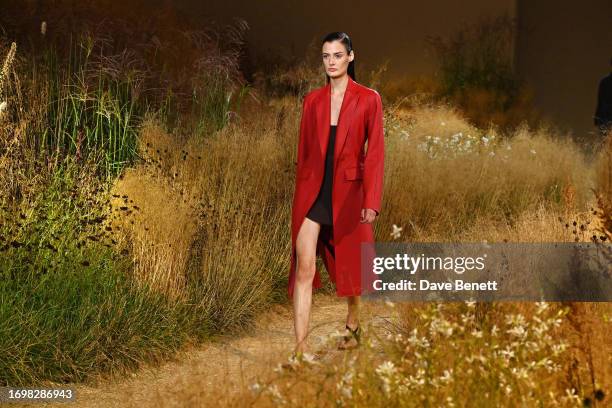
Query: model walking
{"type": "Point", "coordinates": [338, 188]}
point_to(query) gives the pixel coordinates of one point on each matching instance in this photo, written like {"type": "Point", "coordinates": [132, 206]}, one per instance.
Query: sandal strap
{"type": "Point", "coordinates": [356, 333]}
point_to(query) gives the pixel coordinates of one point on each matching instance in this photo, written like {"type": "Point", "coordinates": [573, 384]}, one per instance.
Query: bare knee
{"type": "Point", "coordinates": [305, 269]}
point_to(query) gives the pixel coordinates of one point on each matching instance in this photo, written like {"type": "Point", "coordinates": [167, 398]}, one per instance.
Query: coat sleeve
{"type": "Point", "coordinates": [374, 161]}
{"type": "Point", "coordinates": [304, 129]}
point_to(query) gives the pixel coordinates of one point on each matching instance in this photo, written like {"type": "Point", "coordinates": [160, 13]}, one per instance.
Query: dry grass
{"type": "Point", "coordinates": [603, 190]}
{"type": "Point", "coordinates": [160, 247]}
{"type": "Point", "coordinates": [443, 176]}
{"type": "Point", "coordinates": [212, 214]}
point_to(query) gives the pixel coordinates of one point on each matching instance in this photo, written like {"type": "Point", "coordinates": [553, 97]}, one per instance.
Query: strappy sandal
{"type": "Point", "coordinates": [354, 334]}
{"type": "Point", "coordinates": [297, 358]}
{"type": "Point", "coordinates": [293, 361]}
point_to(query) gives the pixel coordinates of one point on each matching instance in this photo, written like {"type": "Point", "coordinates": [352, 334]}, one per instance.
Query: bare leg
{"type": "Point", "coordinates": [352, 318]}
{"type": "Point", "coordinates": [306, 247]}
{"type": "Point", "coordinates": [352, 321]}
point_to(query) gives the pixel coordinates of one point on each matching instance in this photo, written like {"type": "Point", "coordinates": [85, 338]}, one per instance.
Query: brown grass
{"type": "Point", "coordinates": [458, 189]}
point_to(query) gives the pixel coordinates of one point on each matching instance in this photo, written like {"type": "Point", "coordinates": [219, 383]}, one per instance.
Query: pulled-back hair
{"type": "Point", "coordinates": [346, 40]}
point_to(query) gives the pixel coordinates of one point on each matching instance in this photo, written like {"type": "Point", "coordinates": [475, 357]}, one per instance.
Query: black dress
{"type": "Point", "coordinates": [321, 210]}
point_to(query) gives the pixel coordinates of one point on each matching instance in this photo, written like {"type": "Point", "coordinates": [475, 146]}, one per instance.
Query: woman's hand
{"type": "Point", "coordinates": [368, 215]}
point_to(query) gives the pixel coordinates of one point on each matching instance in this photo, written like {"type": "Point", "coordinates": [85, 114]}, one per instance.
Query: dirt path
{"type": "Point", "coordinates": [226, 366]}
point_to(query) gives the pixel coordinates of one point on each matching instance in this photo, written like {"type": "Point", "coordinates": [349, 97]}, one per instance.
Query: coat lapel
{"type": "Point", "coordinates": [347, 110]}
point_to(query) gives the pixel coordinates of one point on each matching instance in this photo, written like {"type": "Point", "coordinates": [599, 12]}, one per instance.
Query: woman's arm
{"type": "Point", "coordinates": [304, 128]}
{"type": "Point", "coordinates": [374, 161]}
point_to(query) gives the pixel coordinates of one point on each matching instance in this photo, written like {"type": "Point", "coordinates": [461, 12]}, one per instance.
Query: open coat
{"type": "Point", "coordinates": [357, 179]}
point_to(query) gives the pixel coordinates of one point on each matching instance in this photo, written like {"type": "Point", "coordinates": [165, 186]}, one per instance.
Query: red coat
{"type": "Point", "coordinates": [357, 180]}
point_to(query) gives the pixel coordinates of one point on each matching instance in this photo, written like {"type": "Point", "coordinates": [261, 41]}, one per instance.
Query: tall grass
{"type": "Point", "coordinates": [444, 175]}
{"type": "Point", "coordinates": [76, 95]}
{"type": "Point", "coordinates": [209, 220]}
{"type": "Point", "coordinates": [76, 106]}
{"type": "Point", "coordinates": [74, 300]}
{"type": "Point", "coordinates": [68, 309]}
{"type": "Point", "coordinates": [92, 105]}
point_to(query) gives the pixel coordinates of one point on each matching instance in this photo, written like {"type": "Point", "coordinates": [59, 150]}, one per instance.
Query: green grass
{"type": "Point", "coordinates": [70, 323]}
{"type": "Point", "coordinates": [68, 305]}
{"type": "Point", "coordinates": [89, 107]}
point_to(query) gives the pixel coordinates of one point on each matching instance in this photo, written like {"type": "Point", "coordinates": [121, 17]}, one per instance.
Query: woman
{"type": "Point", "coordinates": [338, 187]}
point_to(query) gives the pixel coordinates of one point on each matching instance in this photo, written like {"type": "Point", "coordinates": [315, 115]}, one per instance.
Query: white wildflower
{"type": "Point", "coordinates": [572, 395]}
{"type": "Point", "coordinates": [345, 384]}
{"type": "Point", "coordinates": [541, 306]}
{"type": "Point", "coordinates": [518, 331]}
{"type": "Point", "coordinates": [274, 391]}
{"type": "Point", "coordinates": [386, 369]}
{"type": "Point", "coordinates": [386, 372]}
{"type": "Point", "coordinates": [515, 319]}
{"type": "Point", "coordinates": [442, 326]}
{"type": "Point", "coordinates": [559, 348]}
{"type": "Point", "coordinates": [255, 388]}
{"type": "Point", "coordinates": [507, 353]}
{"type": "Point", "coordinates": [396, 231]}
{"type": "Point", "coordinates": [448, 376]}
{"type": "Point", "coordinates": [520, 372]}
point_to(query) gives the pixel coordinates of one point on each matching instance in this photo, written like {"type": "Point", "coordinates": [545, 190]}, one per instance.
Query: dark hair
{"type": "Point", "coordinates": [346, 40]}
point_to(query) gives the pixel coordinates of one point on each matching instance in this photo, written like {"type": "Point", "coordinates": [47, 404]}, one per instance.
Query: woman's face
{"type": "Point", "coordinates": [336, 59]}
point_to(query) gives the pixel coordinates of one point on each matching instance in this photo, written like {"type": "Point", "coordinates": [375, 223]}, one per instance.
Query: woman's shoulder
{"type": "Point", "coordinates": [314, 93]}
{"type": "Point", "coordinates": [360, 88]}
{"type": "Point", "coordinates": [366, 91]}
